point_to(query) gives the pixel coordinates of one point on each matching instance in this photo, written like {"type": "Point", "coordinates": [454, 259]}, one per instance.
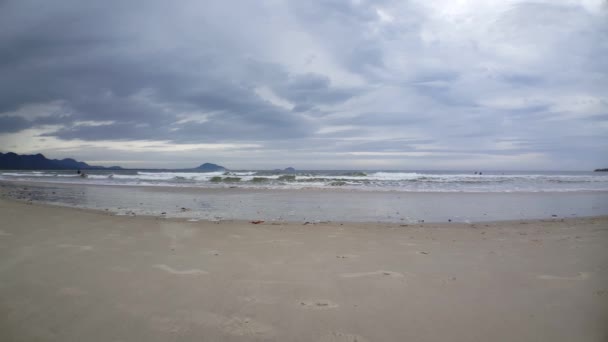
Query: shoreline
{"type": "Point", "coordinates": [392, 225]}
{"type": "Point", "coordinates": [313, 205]}
{"type": "Point", "coordinates": [79, 274]}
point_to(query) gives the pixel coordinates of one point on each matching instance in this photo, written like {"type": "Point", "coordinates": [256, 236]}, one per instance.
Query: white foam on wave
{"type": "Point", "coordinates": [375, 181]}
{"type": "Point", "coordinates": [242, 173]}
{"type": "Point", "coordinates": [201, 176]}
{"type": "Point", "coordinates": [19, 174]}
{"type": "Point", "coordinates": [394, 175]}
{"type": "Point", "coordinates": [37, 174]}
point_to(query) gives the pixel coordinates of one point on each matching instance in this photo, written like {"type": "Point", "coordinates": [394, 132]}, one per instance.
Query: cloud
{"type": "Point", "coordinates": [10, 124]}
{"type": "Point", "coordinates": [314, 81]}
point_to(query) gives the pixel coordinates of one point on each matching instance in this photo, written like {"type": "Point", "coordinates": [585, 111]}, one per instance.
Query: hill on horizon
{"type": "Point", "coordinates": [14, 161]}
{"type": "Point", "coordinates": [210, 167]}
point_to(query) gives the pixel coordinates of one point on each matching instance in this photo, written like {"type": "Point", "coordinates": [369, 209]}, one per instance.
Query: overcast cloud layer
{"type": "Point", "coordinates": [333, 84]}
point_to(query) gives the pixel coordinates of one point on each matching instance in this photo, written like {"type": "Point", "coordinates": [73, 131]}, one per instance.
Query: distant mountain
{"type": "Point", "coordinates": [601, 170]}
{"type": "Point", "coordinates": [14, 161]}
{"type": "Point", "coordinates": [209, 167]}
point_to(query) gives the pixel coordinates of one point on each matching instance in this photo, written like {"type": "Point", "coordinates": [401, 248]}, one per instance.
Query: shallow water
{"type": "Point", "coordinates": [313, 205]}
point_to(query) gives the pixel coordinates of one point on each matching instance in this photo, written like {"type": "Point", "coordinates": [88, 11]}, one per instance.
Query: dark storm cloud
{"type": "Point", "coordinates": [91, 59]}
{"type": "Point", "coordinates": [309, 75]}
{"type": "Point", "coordinates": [9, 124]}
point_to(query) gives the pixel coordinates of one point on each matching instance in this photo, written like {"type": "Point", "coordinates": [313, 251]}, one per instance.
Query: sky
{"type": "Point", "coordinates": [331, 84]}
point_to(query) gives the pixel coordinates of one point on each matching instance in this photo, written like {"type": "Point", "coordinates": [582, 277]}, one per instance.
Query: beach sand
{"type": "Point", "coordinates": [77, 275]}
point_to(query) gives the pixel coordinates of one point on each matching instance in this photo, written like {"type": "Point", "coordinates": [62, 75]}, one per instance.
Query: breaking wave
{"type": "Point", "coordinates": [429, 181]}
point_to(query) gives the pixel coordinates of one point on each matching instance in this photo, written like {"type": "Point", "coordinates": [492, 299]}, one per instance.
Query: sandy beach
{"type": "Point", "coordinates": [78, 275]}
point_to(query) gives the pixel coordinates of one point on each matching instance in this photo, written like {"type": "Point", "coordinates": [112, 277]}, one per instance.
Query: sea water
{"type": "Point", "coordinates": [402, 181]}
{"type": "Point", "coordinates": [313, 196]}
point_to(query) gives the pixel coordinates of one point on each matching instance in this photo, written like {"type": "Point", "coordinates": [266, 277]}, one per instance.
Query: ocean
{"type": "Point", "coordinates": [316, 196]}
{"type": "Point", "coordinates": [402, 181]}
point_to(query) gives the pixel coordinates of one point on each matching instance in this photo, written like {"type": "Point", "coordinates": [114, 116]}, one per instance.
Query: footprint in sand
{"type": "Point", "coordinates": [374, 273]}
{"type": "Point", "coordinates": [3, 233]}
{"type": "Point", "coordinates": [318, 304]}
{"type": "Point", "coordinates": [169, 269]}
{"type": "Point", "coordinates": [342, 337]}
{"type": "Point", "coordinates": [78, 247]}
{"type": "Point", "coordinates": [580, 276]}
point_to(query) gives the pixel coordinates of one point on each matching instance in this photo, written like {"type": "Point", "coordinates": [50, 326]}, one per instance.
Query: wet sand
{"type": "Point", "coordinates": [313, 204]}
{"type": "Point", "coordinates": [76, 275]}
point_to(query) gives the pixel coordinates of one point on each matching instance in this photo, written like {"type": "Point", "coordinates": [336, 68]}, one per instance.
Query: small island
{"type": "Point", "coordinates": [210, 167]}
{"type": "Point", "coordinates": [601, 170]}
